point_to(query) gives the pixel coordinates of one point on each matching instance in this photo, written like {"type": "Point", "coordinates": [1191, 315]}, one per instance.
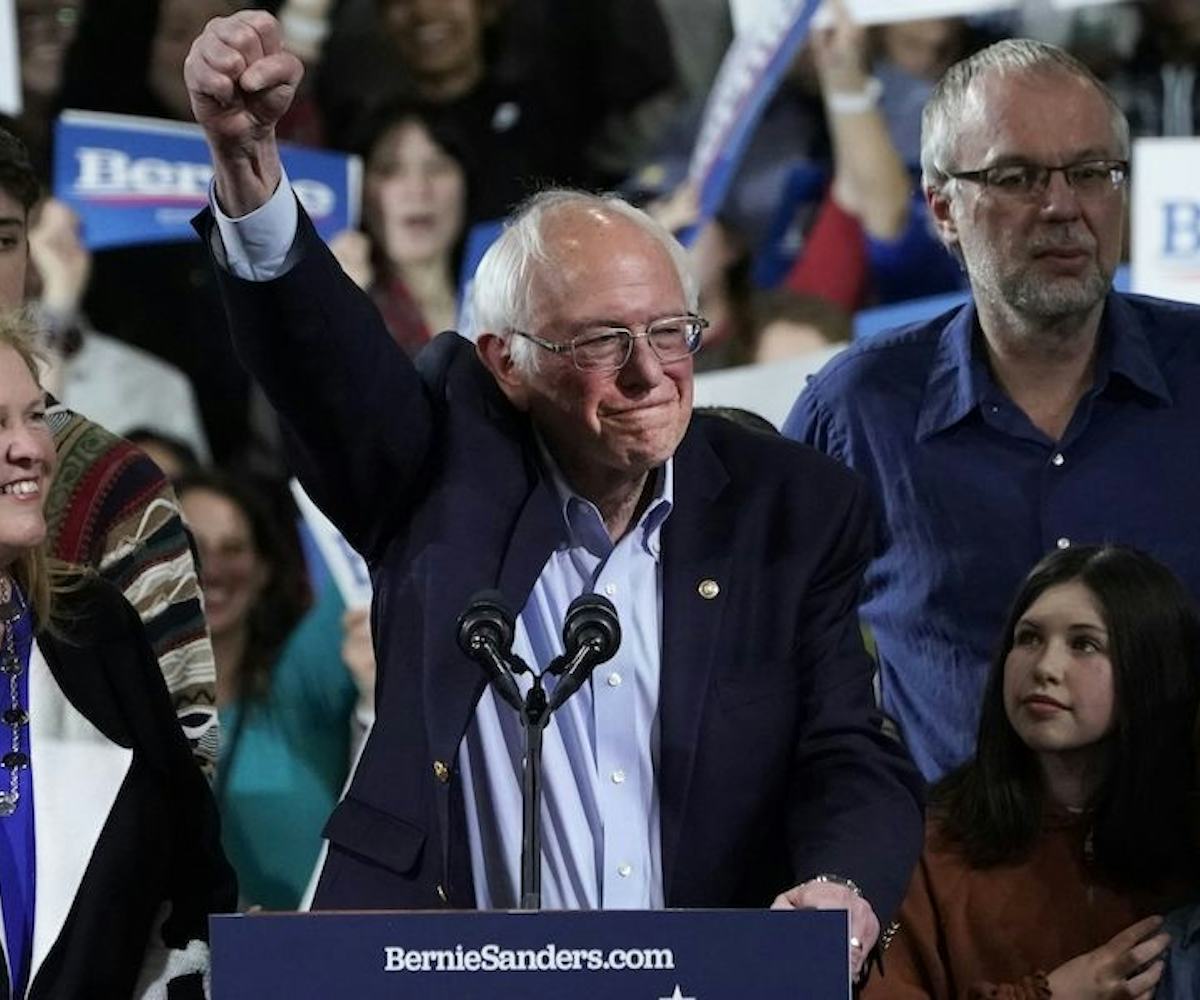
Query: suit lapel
{"type": "Point", "coordinates": [77, 774]}
{"type": "Point", "coordinates": [452, 693]}
{"type": "Point", "coordinates": [697, 551]}
{"type": "Point", "coordinates": [538, 529]}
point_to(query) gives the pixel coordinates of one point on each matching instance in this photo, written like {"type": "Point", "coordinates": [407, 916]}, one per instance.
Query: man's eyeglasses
{"type": "Point", "coordinates": [1088, 178]}
{"type": "Point", "coordinates": [671, 338]}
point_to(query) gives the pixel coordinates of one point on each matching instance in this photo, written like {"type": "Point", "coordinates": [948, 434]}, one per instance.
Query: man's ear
{"type": "Point", "coordinates": [495, 352]}
{"type": "Point", "coordinates": [943, 218]}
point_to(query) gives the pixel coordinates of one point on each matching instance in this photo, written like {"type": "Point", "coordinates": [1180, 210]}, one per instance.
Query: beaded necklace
{"type": "Point", "coordinates": [12, 608]}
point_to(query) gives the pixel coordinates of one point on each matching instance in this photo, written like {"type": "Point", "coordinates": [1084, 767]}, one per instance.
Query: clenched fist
{"type": "Point", "coordinates": [241, 81]}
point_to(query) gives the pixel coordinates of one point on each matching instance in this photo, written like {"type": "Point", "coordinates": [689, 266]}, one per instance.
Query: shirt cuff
{"type": "Point", "coordinates": [258, 246]}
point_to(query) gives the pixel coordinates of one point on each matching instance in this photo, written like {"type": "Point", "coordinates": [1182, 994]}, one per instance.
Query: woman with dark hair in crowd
{"type": "Point", "coordinates": [414, 207]}
{"type": "Point", "coordinates": [284, 695]}
{"type": "Point", "coordinates": [1049, 856]}
{"type": "Point", "coordinates": [107, 825]}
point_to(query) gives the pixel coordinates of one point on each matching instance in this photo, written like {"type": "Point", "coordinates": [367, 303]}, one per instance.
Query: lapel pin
{"type": "Point", "coordinates": [708, 589]}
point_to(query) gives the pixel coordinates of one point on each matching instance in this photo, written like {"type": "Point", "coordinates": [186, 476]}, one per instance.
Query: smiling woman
{"type": "Point", "coordinates": [284, 694]}
{"type": "Point", "coordinates": [105, 819]}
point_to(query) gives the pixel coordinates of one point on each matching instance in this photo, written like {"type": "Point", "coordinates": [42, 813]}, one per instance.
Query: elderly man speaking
{"type": "Point", "coordinates": [730, 754]}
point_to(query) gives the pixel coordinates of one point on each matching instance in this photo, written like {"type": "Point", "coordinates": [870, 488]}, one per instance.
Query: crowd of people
{"type": "Point", "coordinates": [996, 502]}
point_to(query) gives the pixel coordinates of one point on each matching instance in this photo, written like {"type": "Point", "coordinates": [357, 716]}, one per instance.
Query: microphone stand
{"type": "Point", "coordinates": [490, 647]}
{"type": "Point", "coordinates": [534, 713]}
{"type": "Point", "coordinates": [534, 719]}
{"type": "Point", "coordinates": [535, 716]}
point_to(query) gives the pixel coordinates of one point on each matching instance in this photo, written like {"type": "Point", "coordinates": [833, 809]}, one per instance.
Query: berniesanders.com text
{"type": "Point", "coordinates": [548, 958]}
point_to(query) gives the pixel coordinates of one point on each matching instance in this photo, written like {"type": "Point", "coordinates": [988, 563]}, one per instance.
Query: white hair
{"type": "Point", "coordinates": [946, 109]}
{"type": "Point", "coordinates": [500, 291]}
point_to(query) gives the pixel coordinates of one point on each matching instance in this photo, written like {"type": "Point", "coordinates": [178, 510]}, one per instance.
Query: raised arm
{"type": "Point", "coordinates": [241, 81]}
{"type": "Point", "coordinates": [870, 180]}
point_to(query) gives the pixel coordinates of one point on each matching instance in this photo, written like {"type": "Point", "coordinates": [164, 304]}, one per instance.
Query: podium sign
{"type": "Point", "coordinates": [630, 955]}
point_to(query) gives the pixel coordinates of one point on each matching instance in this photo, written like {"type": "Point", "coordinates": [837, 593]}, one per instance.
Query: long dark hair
{"type": "Point", "coordinates": [445, 132]}
{"type": "Point", "coordinates": [993, 805]}
{"type": "Point", "coordinates": [285, 595]}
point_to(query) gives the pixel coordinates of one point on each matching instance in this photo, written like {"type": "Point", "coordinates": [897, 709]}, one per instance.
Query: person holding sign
{"type": "Point", "coordinates": [1049, 411]}
{"type": "Point", "coordinates": [729, 754]}
{"type": "Point", "coordinates": [111, 508]}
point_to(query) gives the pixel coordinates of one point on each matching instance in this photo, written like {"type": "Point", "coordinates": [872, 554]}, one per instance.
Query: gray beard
{"type": "Point", "coordinates": [1051, 300]}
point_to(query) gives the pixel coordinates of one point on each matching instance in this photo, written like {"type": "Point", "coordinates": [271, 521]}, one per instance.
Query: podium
{"type": "Point", "coordinates": [588, 955]}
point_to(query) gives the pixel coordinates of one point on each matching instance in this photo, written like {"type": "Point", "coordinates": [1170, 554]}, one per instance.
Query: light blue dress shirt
{"type": "Point", "coordinates": [599, 812]}
{"type": "Point", "coordinates": [601, 842]}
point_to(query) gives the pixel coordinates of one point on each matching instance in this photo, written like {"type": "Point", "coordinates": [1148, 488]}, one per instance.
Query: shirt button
{"type": "Point", "coordinates": [610, 589]}
{"type": "Point", "coordinates": [618, 777]}
{"type": "Point", "coordinates": [1058, 458]}
{"type": "Point", "coordinates": [624, 870]}
{"type": "Point", "coordinates": [614, 680]}
{"type": "Point", "coordinates": [1063, 543]}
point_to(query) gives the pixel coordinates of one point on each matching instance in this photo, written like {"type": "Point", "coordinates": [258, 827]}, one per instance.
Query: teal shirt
{"type": "Point", "coordinates": [282, 774]}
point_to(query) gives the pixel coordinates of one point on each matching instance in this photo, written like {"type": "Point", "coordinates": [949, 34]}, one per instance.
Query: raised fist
{"type": "Point", "coordinates": [240, 79]}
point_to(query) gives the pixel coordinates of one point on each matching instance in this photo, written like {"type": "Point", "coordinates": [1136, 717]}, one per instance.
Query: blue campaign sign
{"type": "Point", "coordinates": [140, 180]}
{"type": "Point", "coordinates": [643, 955]}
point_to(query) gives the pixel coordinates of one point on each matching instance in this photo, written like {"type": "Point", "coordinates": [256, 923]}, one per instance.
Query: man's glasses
{"type": "Point", "coordinates": [1088, 178]}
{"type": "Point", "coordinates": [671, 338]}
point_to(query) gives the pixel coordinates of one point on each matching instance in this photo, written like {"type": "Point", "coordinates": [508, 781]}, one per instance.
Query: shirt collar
{"type": "Point", "coordinates": [953, 388]}
{"type": "Point", "coordinates": [585, 526]}
{"type": "Point", "coordinates": [1130, 354]}
{"type": "Point", "coordinates": [959, 379]}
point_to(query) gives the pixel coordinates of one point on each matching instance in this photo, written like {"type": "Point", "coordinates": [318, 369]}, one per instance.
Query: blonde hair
{"type": "Point", "coordinates": [41, 578]}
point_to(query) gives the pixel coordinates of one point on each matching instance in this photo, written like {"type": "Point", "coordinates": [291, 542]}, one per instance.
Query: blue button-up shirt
{"type": "Point", "coordinates": [972, 494]}
{"type": "Point", "coordinates": [600, 814]}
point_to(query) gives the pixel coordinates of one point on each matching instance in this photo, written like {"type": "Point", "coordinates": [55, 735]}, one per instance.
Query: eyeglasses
{"type": "Point", "coordinates": [1088, 178]}
{"type": "Point", "coordinates": [608, 349]}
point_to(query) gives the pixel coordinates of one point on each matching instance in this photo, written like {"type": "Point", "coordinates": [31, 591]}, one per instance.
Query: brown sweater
{"type": "Point", "coordinates": [994, 933]}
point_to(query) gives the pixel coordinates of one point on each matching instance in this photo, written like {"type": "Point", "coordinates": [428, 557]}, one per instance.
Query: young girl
{"type": "Point", "coordinates": [1049, 855]}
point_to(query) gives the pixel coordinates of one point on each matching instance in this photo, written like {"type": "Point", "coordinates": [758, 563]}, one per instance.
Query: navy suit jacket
{"type": "Point", "coordinates": [773, 766]}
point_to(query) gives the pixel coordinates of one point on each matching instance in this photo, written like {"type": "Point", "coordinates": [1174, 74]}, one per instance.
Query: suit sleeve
{"type": "Point", "coordinates": [357, 418]}
{"type": "Point", "coordinates": [852, 780]}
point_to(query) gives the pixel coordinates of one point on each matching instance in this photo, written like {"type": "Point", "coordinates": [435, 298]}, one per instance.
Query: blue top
{"type": "Point", "coordinates": [971, 494]}
{"type": "Point", "coordinates": [915, 264]}
{"type": "Point", "coordinates": [1181, 977]}
{"type": "Point", "coordinates": [18, 851]}
{"type": "Point", "coordinates": [281, 775]}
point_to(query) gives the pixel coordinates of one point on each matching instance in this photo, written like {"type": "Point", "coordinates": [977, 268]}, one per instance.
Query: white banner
{"type": "Point", "coordinates": [1165, 238]}
{"type": "Point", "coordinates": [768, 390]}
{"type": "Point", "coordinates": [748, 14]}
{"type": "Point", "coordinates": [10, 62]}
{"type": "Point", "coordinates": [347, 567]}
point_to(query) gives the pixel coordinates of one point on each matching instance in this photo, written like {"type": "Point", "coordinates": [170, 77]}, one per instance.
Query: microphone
{"type": "Point", "coordinates": [485, 634]}
{"type": "Point", "coordinates": [591, 635]}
